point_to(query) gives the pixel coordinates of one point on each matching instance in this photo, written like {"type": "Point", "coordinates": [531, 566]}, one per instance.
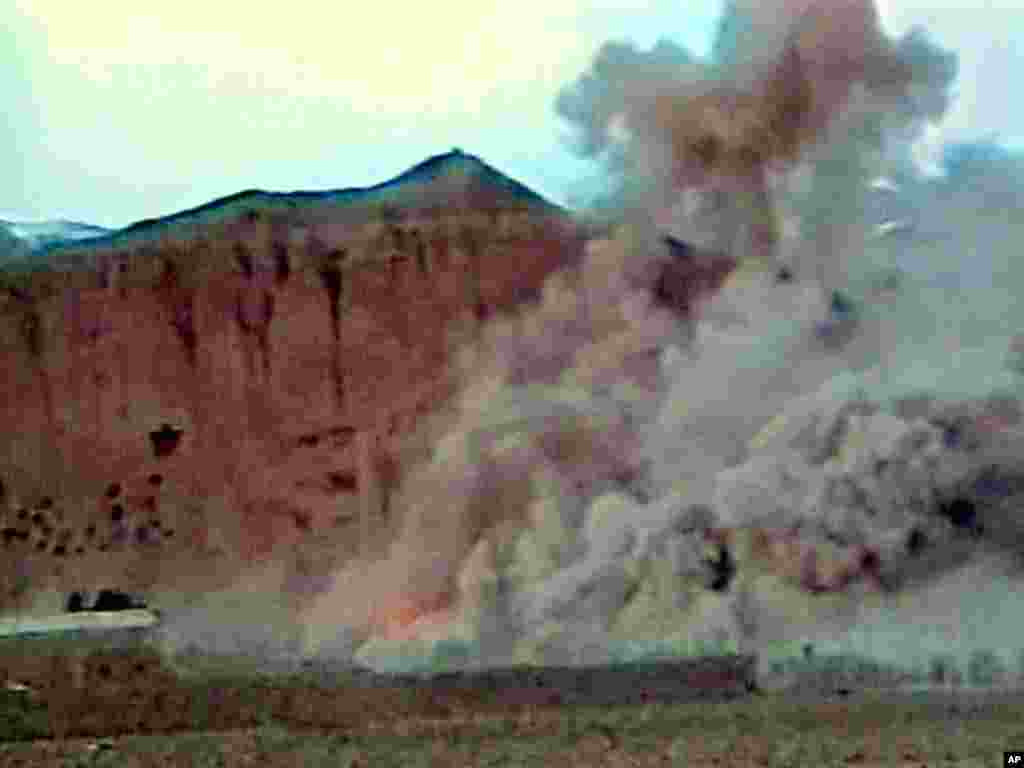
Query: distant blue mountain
{"type": "Point", "coordinates": [38, 235]}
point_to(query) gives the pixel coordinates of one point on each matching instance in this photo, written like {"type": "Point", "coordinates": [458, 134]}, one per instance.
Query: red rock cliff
{"type": "Point", "coordinates": [239, 377]}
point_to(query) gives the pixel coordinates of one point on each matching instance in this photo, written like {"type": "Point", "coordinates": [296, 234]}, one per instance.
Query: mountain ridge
{"type": "Point", "coordinates": [429, 170]}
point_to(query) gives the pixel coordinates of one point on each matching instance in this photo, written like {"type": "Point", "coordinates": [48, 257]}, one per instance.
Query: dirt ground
{"type": "Point", "coordinates": [128, 708]}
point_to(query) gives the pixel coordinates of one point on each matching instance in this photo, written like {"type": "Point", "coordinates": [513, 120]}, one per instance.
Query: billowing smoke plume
{"type": "Point", "coordinates": [794, 81]}
{"type": "Point", "coordinates": [621, 82]}
{"type": "Point", "coordinates": [602, 391]}
{"type": "Point", "coordinates": [675, 444]}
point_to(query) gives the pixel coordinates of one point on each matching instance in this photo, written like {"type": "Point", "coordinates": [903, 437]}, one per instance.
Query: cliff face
{"type": "Point", "coordinates": [237, 379]}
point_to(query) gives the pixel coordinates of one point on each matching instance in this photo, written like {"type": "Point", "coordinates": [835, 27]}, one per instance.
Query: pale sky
{"type": "Point", "coordinates": [114, 117]}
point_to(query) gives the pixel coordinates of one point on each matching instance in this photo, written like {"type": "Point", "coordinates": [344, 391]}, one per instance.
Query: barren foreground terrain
{"type": "Point", "coordinates": [127, 707]}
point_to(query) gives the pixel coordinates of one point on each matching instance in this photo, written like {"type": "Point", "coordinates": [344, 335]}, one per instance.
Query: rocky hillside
{"type": "Point", "coordinates": [204, 388]}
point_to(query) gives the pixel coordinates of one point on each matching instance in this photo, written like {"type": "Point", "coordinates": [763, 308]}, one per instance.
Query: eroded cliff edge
{"type": "Point", "coordinates": [237, 379]}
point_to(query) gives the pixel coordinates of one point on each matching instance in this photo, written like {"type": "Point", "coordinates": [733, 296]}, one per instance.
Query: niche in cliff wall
{"type": "Point", "coordinates": [165, 440]}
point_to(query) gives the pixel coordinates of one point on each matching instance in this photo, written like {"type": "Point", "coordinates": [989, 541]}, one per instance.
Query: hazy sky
{"type": "Point", "coordinates": [113, 117]}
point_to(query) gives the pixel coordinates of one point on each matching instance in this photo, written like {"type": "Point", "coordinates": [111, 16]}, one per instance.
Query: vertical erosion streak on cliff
{"type": "Point", "coordinates": [244, 259]}
{"type": "Point", "coordinates": [184, 326]}
{"type": "Point", "coordinates": [330, 266]}
{"type": "Point", "coordinates": [254, 312]}
{"type": "Point", "coordinates": [32, 332]}
{"type": "Point", "coordinates": [282, 264]}
{"type": "Point", "coordinates": [422, 260]}
{"type": "Point", "coordinates": [267, 304]}
{"type": "Point", "coordinates": [469, 241]}
{"type": "Point", "coordinates": [180, 305]}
